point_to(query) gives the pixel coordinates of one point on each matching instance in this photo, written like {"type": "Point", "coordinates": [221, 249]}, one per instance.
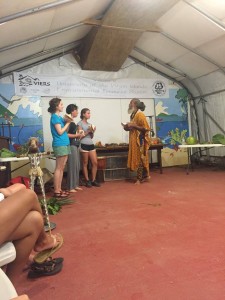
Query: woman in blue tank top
{"type": "Point", "coordinates": [60, 143]}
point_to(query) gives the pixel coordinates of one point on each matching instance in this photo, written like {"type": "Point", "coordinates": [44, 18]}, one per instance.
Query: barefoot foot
{"type": "Point", "coordinates": [146, 179]}
{"type": "Point", "coordinates": [78, 188]}
{"type": "Point", "coordinates": [50, 241]}
{"type": "Point", "coordinates": [137, 182]}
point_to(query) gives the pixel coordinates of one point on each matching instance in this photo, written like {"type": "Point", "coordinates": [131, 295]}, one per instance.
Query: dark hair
{"type": "Point", "coordinates": [83, 111]}
{"type": "Point", "coordinates": [70, 108]}
{"type": "Point", "coordinates": [140, 105]}
{"type": "Point", "coordinates": [53, 103]}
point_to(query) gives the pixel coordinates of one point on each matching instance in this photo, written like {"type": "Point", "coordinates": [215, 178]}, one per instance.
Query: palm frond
{"type": "Point", "coordinates": [54, 204]}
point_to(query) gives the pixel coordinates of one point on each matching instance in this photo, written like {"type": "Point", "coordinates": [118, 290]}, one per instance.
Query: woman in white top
{"type": "Point", "coordinates": [87, 148]}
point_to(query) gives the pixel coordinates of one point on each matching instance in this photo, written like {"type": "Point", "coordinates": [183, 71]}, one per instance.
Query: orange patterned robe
{"type": "Point", "coordinates": [138, 146]}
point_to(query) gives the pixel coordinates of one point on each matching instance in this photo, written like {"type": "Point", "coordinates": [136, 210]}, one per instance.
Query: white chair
{"type": "Point", "coordinates": [7, 254]}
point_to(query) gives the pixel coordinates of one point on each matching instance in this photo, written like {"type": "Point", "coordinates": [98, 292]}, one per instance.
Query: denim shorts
{"type": "Point", "coordinates": [61, 150]}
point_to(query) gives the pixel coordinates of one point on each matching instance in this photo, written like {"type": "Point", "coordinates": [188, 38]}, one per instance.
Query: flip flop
{"type": "Point", "coordinates": [45, 269]}
{"type": "Point", "coordinates": [42, 256]}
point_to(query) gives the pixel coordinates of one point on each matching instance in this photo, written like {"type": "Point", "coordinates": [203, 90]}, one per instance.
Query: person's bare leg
{"type": "Point", "coordinates": [24, 239]}
{"type": "Point", "coordinates": [139, 173]}
{"type": "Point", "coordinates": [14, 209]}
{"type": "Point", "coordinates": [58, 174]}
{"type": "Point", "coordinates": [146, 176]}
{"type": "Point", "coordinates": [64, 160]}
{"type": "Point", "coordinates": [28, 236]}
{"type": "Point", "coordinates": [29, 233]}
{"type": "Point", "coordinates": [85, 165]}
{"type": "Point", "coordinates": [94, 163]}
{"type": "Point", "coordinates": [23, 216]}
{"type": "Point", "coordinates": [12, 189]}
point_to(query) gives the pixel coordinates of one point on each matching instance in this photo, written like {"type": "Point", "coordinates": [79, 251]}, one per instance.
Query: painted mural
{"type": "Point", "coordinates": [172, 125]}
{"type": "Point", "coordinates": [20, 118]}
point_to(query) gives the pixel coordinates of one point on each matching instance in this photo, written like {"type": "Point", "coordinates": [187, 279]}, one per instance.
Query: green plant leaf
{"type": "Point", "coordinates": [54, 205]}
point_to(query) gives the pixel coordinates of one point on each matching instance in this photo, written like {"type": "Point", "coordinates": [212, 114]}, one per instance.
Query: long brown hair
{"type": "Point", "coordinates": [53, 103]}
{"type": "Point", "coordinates": [83, 112]}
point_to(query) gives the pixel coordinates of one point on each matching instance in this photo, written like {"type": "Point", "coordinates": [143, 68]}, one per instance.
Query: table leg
{"type": "Point", "coordinates": [189, 160]}
{"type": "Point", "coordinates": [159, 157]}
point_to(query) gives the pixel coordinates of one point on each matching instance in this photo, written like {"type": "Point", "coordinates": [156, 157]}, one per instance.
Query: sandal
{"type": "Point", "coordinates": [44, 255]}
{"type": "Point", "coordinates": [49, 262]}
{"type": "Point", "coordinates": [48, 268]}
{"type": "Point", "coordinates": [60, 195]}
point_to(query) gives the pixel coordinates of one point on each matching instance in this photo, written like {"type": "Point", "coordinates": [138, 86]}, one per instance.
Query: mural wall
{"type": "Point", "coordinates": [21, 118]}
{"type": "Point", "coordinates": [172, 125]}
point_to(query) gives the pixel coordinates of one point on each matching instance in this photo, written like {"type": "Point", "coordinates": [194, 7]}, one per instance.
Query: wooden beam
{"type": "Point", "coordinates": [98, 23]}
{"type": "Point", "coordinates": [112, 39]}
{"type": "Point", "coordinates": [107, 49]}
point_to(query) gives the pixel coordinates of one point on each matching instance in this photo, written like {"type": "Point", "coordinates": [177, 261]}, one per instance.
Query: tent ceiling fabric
{"type": "Point", "coordinates": [188, 46]}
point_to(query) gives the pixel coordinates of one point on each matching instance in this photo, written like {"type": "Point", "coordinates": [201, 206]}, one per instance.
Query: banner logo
{"type": "Point", "coordinates": [159, 88]}
{"type": "Point", "coordinates": [28, 80]}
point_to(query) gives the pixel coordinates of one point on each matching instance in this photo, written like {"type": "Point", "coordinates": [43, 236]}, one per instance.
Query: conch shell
{"type": "Point", "coordinates": [68, 116]}
{"type": "Point", "coordinates": [92, 127]}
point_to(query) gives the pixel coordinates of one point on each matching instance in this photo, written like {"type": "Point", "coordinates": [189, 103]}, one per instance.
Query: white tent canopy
{"type": "Point", "coordinates": [185, 43]}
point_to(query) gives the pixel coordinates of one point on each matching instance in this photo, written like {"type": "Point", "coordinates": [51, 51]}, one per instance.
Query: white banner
{"type": "Point", "coordinates": [73, 86]}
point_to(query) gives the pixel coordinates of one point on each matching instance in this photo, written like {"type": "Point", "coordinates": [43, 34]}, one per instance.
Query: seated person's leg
{"type": "Point", "coordinates": [12, 189]}
{"type": "Point", "coordinates": [21, 221]}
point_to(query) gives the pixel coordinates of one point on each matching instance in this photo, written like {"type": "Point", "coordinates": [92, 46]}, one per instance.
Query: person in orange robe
{"type": "Point", "coordinates": [139, 140]}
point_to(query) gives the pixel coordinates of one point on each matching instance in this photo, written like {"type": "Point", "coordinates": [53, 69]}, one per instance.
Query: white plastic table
{"type": "Point", "coordinates": [189, 147]}
{"type": "Point", "coordinates": [10, 159]}
{"type": "Point", "coordinates": [24, 158]}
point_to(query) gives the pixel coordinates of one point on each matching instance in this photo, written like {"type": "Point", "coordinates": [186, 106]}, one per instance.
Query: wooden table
{"type": "Point", "coordinates": [112, 150]}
